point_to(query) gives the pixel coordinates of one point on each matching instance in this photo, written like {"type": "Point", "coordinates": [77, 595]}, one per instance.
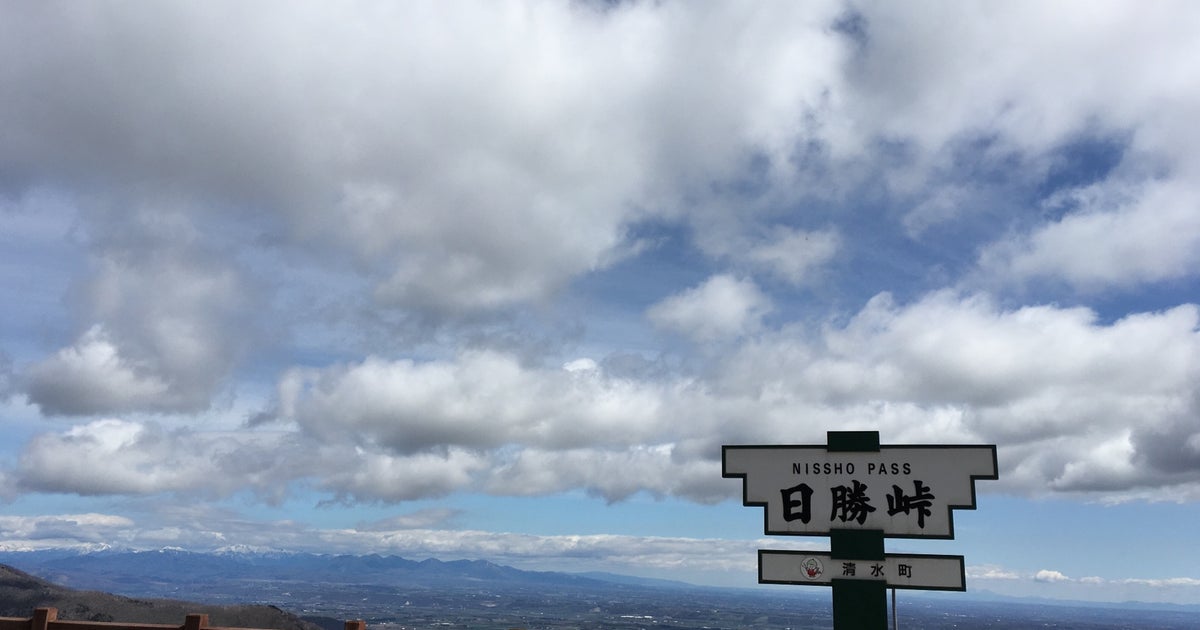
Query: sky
{"type": "Point", "coordinates": [499, 279]}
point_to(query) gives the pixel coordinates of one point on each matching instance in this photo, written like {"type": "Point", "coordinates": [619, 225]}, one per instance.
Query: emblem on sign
{"type": "Point", "coordinates": [812, 568]}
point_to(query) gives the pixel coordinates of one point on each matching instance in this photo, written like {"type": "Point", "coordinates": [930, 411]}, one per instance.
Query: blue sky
{"type": "Point", "coordinates": [497, 280]}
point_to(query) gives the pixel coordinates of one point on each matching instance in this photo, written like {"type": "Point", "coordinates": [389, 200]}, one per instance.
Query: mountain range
{"type": "Point", "coordinates": [391, 591]}
{"type": "Point", "coordinates": [21, 593]}
{"type": "Point", "coordinates": [165, 571]}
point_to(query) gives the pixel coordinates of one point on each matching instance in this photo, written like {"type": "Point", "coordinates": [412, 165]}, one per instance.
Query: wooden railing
{"type": "Point", "coordinates": [47, 619]}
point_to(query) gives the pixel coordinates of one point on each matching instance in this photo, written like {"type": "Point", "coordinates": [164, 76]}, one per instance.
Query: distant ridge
{"type": "Point", "coordinates": [170, 572]}
{"type": "Point", "coordinates": [21, 593]}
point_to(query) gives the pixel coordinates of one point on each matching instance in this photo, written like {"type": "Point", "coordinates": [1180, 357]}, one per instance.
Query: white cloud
{"type": "Point", "coordinates": [495, 177]}
{"type": "Point", "coordinates": [1053, 387]}
{"type": "Point", "coordinates": [1108, 462]}
{"type": "Point", "coordinates": [1017, 82]}
{"type": "Point", "coordinates": [1055, 584]}
{"type": "Point", "coordinates": [580, 365]}
{"type": "Point", "coordinates": [1115, 236]}
{"type": "Point", "coordinates": [114, 456]}
{"type": "Point", "coordinates": [485, 180]}
{"type": "Point", "coordinates": [1046, 575]}
{"type": "Point", "coordinates": [1032, 74]}
{"type": "Point", "coordinates": [483, 400]}
{"type": "Point", "coordinates": [50, 531]}
{"type": "Point", "coordinates": [794, 254]}
{"type": "Point", "coordinates": [941, 205]}
{"type": "Point", "coordinates": [368, 476]}
{"type": "Point", "coordinates": [171, 317]}
{"type": "Point", "coordinates": [429, 518]}
{"type": "Point", "coordinates": [314, 151]}
{"type": "Point", "coordinates": [1187, 582]}
{"type": "Point", "coordinates": [119, 457]}
{"type": "Point", "coordinates": [721, 307]}
{"type": "Point", "coordinates": [612, 474]}
{"type": "Point", "coordinates": [991, 572]}
{"type": "Point", "coordinates": [1075, 405]}
{"type": "Point", "coordinates": [92, 377]}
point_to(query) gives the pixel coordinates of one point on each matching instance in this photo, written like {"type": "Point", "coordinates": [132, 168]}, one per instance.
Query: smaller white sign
{"type": "Point", "coordinates": [819, 568]}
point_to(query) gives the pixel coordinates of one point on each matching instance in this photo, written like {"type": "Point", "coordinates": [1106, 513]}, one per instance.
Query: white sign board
{"type": "Point", "coordinates": [920, 571]}
{"type": "Point", "coordinates": [905, 491]}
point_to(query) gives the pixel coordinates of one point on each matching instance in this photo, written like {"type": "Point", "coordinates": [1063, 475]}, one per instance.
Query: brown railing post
{"type": "Point", "coordinates": [357, 624]}
{"type": "Point", "coordinates": [42, 618]}
{"type": "Point", "coordinates": [195, 622]}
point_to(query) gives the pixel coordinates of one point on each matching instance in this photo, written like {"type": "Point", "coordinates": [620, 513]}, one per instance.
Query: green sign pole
{"type": "Point", "coordinates": [857, 604]}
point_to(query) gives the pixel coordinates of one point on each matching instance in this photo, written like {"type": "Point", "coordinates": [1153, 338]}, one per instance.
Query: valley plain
{"type": "Point", "coordinates": [393, 593]}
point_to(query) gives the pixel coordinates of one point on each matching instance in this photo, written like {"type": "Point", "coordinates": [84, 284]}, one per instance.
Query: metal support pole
{"type": "Point", "coordinates": [858, 604]}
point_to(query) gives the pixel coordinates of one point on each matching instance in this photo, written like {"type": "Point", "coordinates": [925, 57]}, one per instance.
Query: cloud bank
{"type": "Point", "coordinates": [373, 254]}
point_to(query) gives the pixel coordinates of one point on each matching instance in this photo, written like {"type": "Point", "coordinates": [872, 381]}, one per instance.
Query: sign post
{"type": "Point", "coordinates": [857, 493]}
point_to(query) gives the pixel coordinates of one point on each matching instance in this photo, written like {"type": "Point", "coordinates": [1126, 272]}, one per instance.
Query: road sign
{"type": "Point", "coordinates": [857, 493]}
{"type": "Point", "coordinates": [820, 568]}
{"type": "Point", "coordinates": [903, 491]}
